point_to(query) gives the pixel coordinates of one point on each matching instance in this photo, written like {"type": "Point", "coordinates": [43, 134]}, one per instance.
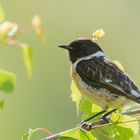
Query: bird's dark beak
{"type": "Point", "coordinates": [66, 47]}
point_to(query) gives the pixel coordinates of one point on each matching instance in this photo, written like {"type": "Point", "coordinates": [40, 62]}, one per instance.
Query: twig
{"type": "Point", "coordinates": [43, 129]}
{"type": "Point", "coordinates": [53, 137]}
{"type": "Point", "coordinates": [93, 125]}
{"type": "Point", "coordinates": [98, 124]}
{"type": "Point", "coordinates": [57, 136]}
{"type": "Point", "coordinates": [132, 112]}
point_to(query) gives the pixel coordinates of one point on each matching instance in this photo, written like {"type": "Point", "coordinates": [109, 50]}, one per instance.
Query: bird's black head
{"type": "Point", "coordinates": [81, 48]}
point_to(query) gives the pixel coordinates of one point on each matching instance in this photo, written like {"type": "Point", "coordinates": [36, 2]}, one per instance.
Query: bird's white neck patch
{"type": "Point", "coordinates": [97, 54]}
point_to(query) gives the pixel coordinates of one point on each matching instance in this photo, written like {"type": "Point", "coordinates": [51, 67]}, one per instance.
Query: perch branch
{"type": "Point", "coordinates": [98, 124]}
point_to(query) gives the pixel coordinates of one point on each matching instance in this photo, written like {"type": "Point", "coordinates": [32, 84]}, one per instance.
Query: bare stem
{"type": "Point", "coordinates": [45, 130]}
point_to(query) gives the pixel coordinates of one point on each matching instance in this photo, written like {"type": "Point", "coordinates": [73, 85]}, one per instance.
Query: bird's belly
{"type": "Point", "coordinates": [100, 96]}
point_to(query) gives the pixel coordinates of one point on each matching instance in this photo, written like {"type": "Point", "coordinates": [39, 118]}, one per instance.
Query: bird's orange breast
{"type": "Point", "coordinates": [75, 76]}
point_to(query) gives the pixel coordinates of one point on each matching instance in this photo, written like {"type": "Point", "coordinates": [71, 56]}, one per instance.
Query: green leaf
{"type": "Point", "coordinates": [2, 16]}
{"type": "Point", "coordinates": [25, 136]}
{"type": "Point", "coordinates": [86, 107]}
{"type": "Point", "coordinates": [136, 137]}
{"type": "Point", "coordinates": [104, 133]}
{"type": "Point", "coordinates": [77, 134]}
{"type": "Point", "coordinates": [87, 135]}
{"type": "Point", "coordinates": [7, 81]}
{"type": "Point", "coordinates": [67, 138]}
{"type": "Point", "coordinates": [116, 116]}
{"type": "Point", "coordinates": [96, 108]}
{"type": "Point", "coordinates": [28, 58]}
{"type": "Point", "coordinates": [134, 126]}
{"type": "Point", "coordinates": [123, 133]}
{"type": "Point", "coordinates": [1, 104]}
{"type": "Point", "coordinates": [76, 95]}
{"type": "Point", "coordinates": [28, 135]}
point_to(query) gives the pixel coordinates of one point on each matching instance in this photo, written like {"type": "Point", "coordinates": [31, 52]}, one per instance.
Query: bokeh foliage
{"type": "Point", "coordinates": [9, 34]}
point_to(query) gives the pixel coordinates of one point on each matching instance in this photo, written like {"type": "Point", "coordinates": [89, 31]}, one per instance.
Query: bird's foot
{"type": "Point", "coordinates": [85, 126]}
{"type": "Point", "coordinates": [105, 120]}
{"type": "Point", "coordinates": [104, 117]}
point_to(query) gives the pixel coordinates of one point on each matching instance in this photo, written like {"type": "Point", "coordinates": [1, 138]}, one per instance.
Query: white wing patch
{"type": "Point", "coordinates": [108, 80]}
{"type": "Point", "coordinates": [135, 93]}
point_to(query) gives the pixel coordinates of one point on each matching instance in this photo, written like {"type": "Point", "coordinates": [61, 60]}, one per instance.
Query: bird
{"type": "Point", "coordinates": [98, 78]}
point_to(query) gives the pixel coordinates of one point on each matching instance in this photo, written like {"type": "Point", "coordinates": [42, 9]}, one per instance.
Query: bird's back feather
{"type": "Point", "coordinates": [100, 72]}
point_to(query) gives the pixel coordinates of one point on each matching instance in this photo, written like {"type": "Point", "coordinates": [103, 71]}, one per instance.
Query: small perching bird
{"type": "Point", "coordinates": [99, 79]}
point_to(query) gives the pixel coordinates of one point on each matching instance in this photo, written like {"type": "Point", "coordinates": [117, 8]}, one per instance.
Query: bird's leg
{"type": "Point", "coordinates": [90, 118]}
{"type": "Point", "coordinates": [105, 115]}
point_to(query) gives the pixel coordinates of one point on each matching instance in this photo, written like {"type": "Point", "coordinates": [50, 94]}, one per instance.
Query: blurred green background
{"type": "Point", "coordinates": [44, 101]}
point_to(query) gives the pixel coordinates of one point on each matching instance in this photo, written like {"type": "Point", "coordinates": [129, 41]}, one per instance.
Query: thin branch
{"type": "Point", "coordinates": [98, 124]}
{"type": "Point", "coordinates": [132, 112]}
{"type": "Point", "coordinates": [57, 136]}
{"type": "Point", "coordinates": [53, 137]}
{"type": "Point", "coordinates": [43, 129]}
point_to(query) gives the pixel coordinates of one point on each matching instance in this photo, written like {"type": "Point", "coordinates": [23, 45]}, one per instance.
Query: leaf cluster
{"type": "Point", "coordinates": [9, 36]}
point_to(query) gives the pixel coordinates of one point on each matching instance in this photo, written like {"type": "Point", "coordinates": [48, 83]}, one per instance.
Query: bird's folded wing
{"type": "Point", "coordinates": [100, 72]}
